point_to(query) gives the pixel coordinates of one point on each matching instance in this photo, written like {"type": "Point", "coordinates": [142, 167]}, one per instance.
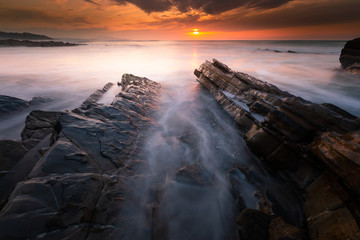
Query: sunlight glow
{"type": "Point", "coordinates": [195, 31]}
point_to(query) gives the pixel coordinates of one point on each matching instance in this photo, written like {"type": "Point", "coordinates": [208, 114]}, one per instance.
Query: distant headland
{"type": "Point", "coordinates": [23, 36]}
{"type": "Point", "coordinates": [10, 39]}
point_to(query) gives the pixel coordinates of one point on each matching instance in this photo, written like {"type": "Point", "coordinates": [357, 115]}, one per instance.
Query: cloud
{"type": "Point", "coordinates": [207, 6]}
{"type": "Point", "coordinates": [27, 15]}
{"type": "Point", "coordinates": [306, 14]}
{"type": "Point", "coordinates": [91, 1]}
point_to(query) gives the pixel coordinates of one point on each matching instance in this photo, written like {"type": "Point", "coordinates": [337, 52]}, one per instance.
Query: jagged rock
{"type": "Point", "coordinates": [297, 140]}
{"type": "Point", "coordinates": [350, 55]}
{"type": "Point", "coordinates": [253, 225]}
{"type": "Point", "coordinates": [84, 186]}
{"type": "Point", "coordinates": [38, 125]}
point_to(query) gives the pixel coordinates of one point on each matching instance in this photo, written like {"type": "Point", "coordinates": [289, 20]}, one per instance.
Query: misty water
{"type": "Point", "coordinates": [193, 130]}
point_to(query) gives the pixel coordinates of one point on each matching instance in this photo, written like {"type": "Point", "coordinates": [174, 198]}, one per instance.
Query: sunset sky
{"type": "Point", "coordinates": [176, 19]}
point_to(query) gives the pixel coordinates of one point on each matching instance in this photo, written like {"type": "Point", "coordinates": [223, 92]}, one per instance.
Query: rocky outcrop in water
{"type": "Point", "coordinates": [350, 56]}
{"type": "Point", "coordinates": [313, 146]}
{"type": "Point", "coordinates": [74, 180]}
{"type": "Point", "coordinates": [24, 35]}
{"type": "Point", "coordinates": [12, 104]}
{"type": "Point", "coordinates": [28, 43]}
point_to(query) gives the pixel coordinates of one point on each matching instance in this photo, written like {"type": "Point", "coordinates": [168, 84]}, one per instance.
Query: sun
{"type": "Point", "coordinates": [195, 31]}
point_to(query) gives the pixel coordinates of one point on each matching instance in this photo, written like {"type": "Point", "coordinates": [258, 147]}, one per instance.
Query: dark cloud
{"type": "Point", "coordinates": [315, 14]}
{"type": "Point", "coordinates": [91, 1]}
{"type": "Point", "coordinates": [208, 6]}
{"type": "Point", "coordinates": [26, 15]}
{"type": "Point", "coordinates": [148, 5]}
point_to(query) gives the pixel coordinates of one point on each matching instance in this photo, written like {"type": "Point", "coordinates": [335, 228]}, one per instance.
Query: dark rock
{"type": "Point", "coordinates": [253, 225]}
{"type": "Point", "coordinates": [39, 100]}
{"type": "Point", "coordinates": [20, 171]}
{"type": "Point", "coordinates": [261, 108]}
{"type": "Point", "coordinates": [11, 104]}
{"type": "Point", "coordinates": [42, 205]}
{"type": "Point", "coordinates": [93, 98]}
{"type": "Point", "coordinates": [297, 140]}
{"type": "Point", "coordinates": [350, 55]}
{"type": "Point", "coordinates": [342, 154]}
{"type": "Point", "coordinates": [280, 230]}
{"type": "Point", "coordinates": [24, 35]}
{"type": "Point", "coordinates": [327, 215]}
{"type": "Point", "coordinates": [83, 186]}
{"type": "Point", "coordinates": [28, 43]}
{"type": "Point", "coordinates": [38, 125]}
{"type": "Point", "coordinates": [10, 153]}
{"type": "Point", "coordinates": [194, 174]}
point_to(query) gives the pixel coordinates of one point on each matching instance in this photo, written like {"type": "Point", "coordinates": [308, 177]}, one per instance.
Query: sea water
{"type": "Point", "coordinates": [67, 75]}
{"type": "Point", "coordinates": [191, 127]}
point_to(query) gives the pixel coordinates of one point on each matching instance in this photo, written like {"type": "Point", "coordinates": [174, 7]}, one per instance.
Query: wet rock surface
{"type": "Point", "coordinates": [350, 56]}
{"type": "Point", "coordinates": [115, 171]}
{"type": "Point", "coordinates": [298, 141]}
{"type": "Point", "coordinates": [77, 187]}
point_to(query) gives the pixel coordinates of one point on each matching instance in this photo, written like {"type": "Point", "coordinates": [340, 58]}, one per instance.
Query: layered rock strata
{"type": "Point", "coordinates": [315, 147]}
{"type": "Point", "coordinates": [76, 180]}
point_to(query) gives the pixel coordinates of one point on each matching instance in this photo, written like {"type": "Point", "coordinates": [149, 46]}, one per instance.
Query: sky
{"type": "Point", "coordinates": [177, 19]}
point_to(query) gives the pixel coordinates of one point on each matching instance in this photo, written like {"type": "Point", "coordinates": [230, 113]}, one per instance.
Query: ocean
{"type": "Point", "coordinates": [191, 128]}
{"type": "Point", "coordinates": [67, 75]}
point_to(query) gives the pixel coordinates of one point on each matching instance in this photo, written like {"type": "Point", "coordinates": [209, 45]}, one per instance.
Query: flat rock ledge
{"type": "Point", "coordinates": [315, 147]}
{"type": "Point", "coordinates": [70, 175]}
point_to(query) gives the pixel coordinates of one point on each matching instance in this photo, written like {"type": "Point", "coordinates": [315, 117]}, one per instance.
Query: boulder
{"type": "Point", "coordinates": [350, 55]}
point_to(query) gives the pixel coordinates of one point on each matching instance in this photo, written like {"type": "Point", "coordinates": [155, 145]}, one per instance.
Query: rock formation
{"type": "Point", "coordinates": [350, 56]}
{"type": "Point", "coordinates": [313, 146]}
{"type": "Point", "coordinates": [81, 174]}
{"type": "Point", "coordinates": [28, 43]}
{"type": "Point", "coordinates": [23, 36]}
{"type": "Point", "coordinates": [12, 104]}
{"type": "Point", "coordinates": [72, 180]}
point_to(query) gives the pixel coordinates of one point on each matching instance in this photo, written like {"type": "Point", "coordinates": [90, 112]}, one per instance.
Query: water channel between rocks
{"type": "Point", "coordinates": [199, 171]}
